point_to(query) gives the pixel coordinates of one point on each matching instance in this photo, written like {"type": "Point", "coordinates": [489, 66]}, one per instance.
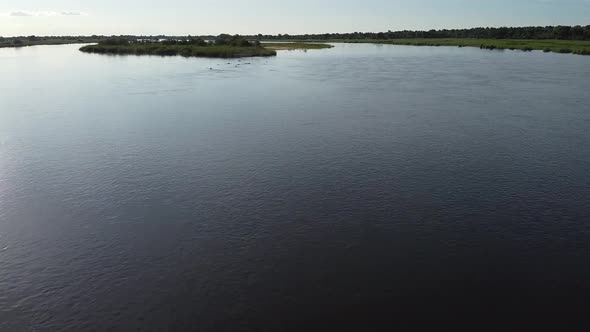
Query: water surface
{"type": "Point", "coordinates": [360, 183]}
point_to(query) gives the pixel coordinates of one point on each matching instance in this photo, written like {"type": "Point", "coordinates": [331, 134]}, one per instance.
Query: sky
{"type": "Point", "coordinates": [203, 17]}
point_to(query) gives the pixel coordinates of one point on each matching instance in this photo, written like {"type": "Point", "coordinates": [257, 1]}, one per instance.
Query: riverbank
{"type": "Point", "coordinates": [36, 41]}
{"type": "Point", "coordinates": [580, 47]}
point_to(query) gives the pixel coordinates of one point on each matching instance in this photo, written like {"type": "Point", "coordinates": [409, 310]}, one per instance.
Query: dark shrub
{"type": "Point", "coordinates": [197, 42]}
{"type": "Point", "coordinates": [114, 42]}
{"type": "Point", "coordinates": [237, 41]}
{"type": "Point", "coordinates": [223, 40]}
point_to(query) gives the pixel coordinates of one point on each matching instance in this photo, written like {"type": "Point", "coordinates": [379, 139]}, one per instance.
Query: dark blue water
{"type": "Point", "coordinates": [355, 185]}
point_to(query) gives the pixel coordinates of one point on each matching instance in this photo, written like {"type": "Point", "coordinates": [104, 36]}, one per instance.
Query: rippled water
{"type": "Point", "coordinates": [357, 184]}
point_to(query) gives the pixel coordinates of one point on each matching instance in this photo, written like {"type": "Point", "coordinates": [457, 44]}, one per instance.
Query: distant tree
{"type": "Point", "coordinates": [501, 33]}
{"type": "Point", "coordinates": [577, 32]}
{"type": "Point", "coordinates": [236, 40]}
{"type": "Point", "coordinates": [169, 42]}
{"type": "Point", "coordinates": [530, 32]}
{"type": "Point", "coordinates": [114, 41]}
{"type": "Point", "coordinates": [241, 42]}
{"type": "Point", "coordinates": [17, 42]}
{"type": "Point", "coordinates": [223, 40]}
{"type": "Point", "coordinates": [197, 42]}
{"type": "Point", "coordinates": [563, 32]}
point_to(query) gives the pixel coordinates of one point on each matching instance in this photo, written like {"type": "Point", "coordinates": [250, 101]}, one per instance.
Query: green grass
{"type": "Point", "coordinates": [211, 51]}
{"type": "Point", "coordinates": [546, 45]}
{"type": "Point", "coordinates": [295, 46]}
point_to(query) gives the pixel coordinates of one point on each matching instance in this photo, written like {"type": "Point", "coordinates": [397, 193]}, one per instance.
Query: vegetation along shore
{"type": "Point", "coordinates": [55, 40]}
{"type": "Point", "coordinates": [581, 47]}
{"type": "Point", "coordinates": [223, 46]}
{"type": "Point", "coordinates": [560, 39]}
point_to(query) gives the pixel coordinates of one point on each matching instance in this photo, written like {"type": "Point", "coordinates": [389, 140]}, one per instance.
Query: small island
{"type": "Point", "coordinates": [222, 46]}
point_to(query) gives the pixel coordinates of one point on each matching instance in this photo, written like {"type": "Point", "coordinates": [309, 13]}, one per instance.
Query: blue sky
{"type": "Point", "coordinates": [182, 17]}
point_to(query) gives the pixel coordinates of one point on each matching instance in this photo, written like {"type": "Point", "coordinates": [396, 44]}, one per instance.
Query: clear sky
{"type": "Point", "coordinates": [198, 17]}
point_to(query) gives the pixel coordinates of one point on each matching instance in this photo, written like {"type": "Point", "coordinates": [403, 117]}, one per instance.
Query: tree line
{"type": "Point", "coordinates": [221, 40]}
{"type": "Point", "coordinates": [534, 32]}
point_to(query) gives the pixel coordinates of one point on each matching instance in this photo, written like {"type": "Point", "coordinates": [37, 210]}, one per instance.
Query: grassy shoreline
{"type": "Point", "coordinates": [546, 45]}
{"type": "Point", "coordinates": [182, 50]}
{"type": "Point", "coordinates": [207, 50]}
